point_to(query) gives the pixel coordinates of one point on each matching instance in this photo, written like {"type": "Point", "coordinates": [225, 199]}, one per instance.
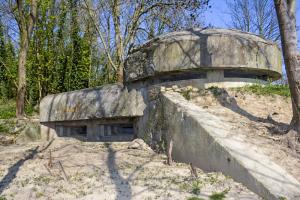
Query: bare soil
{"type": "Point", "coordinates": [262, 120]}
{"type": "Point", "coordinates": [95, 170]}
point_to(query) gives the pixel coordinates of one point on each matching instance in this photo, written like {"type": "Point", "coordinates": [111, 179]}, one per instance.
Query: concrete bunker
{"type": "Point", "coordinates": [198, 57]}
{"type": "Point", "coordinates": [106, 113]}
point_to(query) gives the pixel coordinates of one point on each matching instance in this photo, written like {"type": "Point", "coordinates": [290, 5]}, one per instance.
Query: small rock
{"type": "Point", "coordinates": [169, 89]}
{"type": "Point", "coordinates": [139, 144]}
{"type": "Point", "coordinates": [177, 90]}
{"type": "Point", "coordinates": [195, 90]}
{"type": "Point", "coordinates": [189, 87]}
{"type": "Point", "coordinates": [6, 140]}
{"type": "Point", "coordinates": [174, 87]}
{"type": "Point", "coordinates": [193, 94]}
{"type": "Point", "coordinates": [162, 89]}
{"type": "Point", "coordinates": [229, 100]}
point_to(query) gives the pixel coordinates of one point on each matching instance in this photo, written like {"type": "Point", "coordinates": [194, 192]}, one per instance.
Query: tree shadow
{"type": "Point", "coordinates": [230, 102]}
{"type": "Point", "coordinates": [13, 170]}
{"type": "Point", "coordinates": [123, 188]}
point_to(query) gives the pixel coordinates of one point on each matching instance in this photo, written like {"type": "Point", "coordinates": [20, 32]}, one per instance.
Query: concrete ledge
{"type": "Point", "coordinates": [109, 101]}
{"type": "Point", "coordinates": [204, 140]}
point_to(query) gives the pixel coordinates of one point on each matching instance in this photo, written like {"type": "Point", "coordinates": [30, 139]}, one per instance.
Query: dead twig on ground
{"type": "Point", "coordinates": [63, 171]}
{"type": "Point", "coordinates": [48, 169]}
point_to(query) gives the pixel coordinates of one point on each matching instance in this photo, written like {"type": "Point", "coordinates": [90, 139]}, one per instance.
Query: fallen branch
{"type": "Point", "coordinates": [64, 173]}
{"type": "Point", "coordinates": [48, 169]}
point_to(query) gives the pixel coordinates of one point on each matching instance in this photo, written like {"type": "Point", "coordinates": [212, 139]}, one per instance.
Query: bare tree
{"type": "Point", "coordinates": [130, 21]}
{"type": "Point", "coordinates": [286, 14]}
{"type": "Point", "coordinates": [25, 17]}
{"type": "Point", "coordinates": [257, 16]}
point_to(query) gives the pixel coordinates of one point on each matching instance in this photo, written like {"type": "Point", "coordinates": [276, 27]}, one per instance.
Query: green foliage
{"type": "Point", "coordinates": [8, 69]}
{"type": "Point", "coordinates": [7, 109]}
{"type": "Point", "coordinates": [196, 187]}
{"type": "Point", "coordinates": [195, 198]}
{"type": "Point", "coordinates": [268, 89]}
{"type": "Point", "coordinates": [3, 128]}
{"type": "Point", "coordinates": [219, 195]}
{"type": "Point", "coordinates": [186, 94]}
{"type": "Point", "coordinates": [2, 198]}
{"type": "Point", "coordinates": [215, 90]}
{"type": "Point", "coordinates": [282, 198]}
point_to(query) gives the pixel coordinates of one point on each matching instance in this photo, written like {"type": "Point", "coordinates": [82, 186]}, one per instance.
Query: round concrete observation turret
{"type": "Point", "coordinates": [214, 55]}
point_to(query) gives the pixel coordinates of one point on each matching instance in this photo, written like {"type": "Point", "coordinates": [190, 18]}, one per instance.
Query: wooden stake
{"type": "Point", "coordinates": [50, 163]}
{"type": "Point", "coordinates": [170, 160]}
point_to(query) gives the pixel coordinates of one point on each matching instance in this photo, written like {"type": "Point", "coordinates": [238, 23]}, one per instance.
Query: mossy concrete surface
{"type": "Point", "coordinates": [204, 140]}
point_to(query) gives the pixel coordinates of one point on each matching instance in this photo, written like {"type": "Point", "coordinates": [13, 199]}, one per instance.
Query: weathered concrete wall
{"type": "Point", "coordinates": [204, 140]}
{"type": "Point", "coordinates": [204, 50]}
{"type": "Point", "coordinates": [109, 101]}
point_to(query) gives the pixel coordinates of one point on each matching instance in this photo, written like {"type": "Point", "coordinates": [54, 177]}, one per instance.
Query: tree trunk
{"type": "Point", "coordinates": [20, 108]}
{"type": "Point", "coordinates": [118, 39]}
{"type": "Point", "coordinates": [285, 10]}
{"type": "Point", "coordinates": [26, 24]}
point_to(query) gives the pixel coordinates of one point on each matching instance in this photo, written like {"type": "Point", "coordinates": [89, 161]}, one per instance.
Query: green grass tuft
{"type": "Point", "coordinates": [268, 89]}
{"type": "Point", "coordinates": [196, 187]}
{"type": "Point", "coordinates": [215, 90]}
{"type": "Point", "coordinates": [186, 94]}
{"type": "Point", "coordinates": [219, 195]}
{"type": "Point", "coordinates": [194, 198]}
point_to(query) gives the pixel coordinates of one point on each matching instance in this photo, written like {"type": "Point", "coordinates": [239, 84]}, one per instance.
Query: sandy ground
{"type": "Point", "coordinates": [95, 170]}
{"type": "Point", "coordinates": [261, 120]}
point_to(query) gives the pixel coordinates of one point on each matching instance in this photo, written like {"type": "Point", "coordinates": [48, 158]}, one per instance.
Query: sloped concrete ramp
{"type": "Point", "coordinates": [204, 140]}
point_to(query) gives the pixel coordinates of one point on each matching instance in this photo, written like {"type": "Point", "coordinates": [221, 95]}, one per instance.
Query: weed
{"type": "Point", "coordinates": [215, 90]}
{"type": "Point", "coordinates": [282, 198]}
{"type": "Point", "coordinates": [186, 94]}
{"type": "Point", "coordinates": [42, 179]}
{"type": "Point", "coordinates": [196, 187]}
{"type": "Point", "coordinates": [3, 198]}
{"type": "Point", "coordinates": [194, 198]}
{"type": "Point", "coordinates": [39, 194]}
{"type": "Point", "coordinates": [268, 89]}
{"type": "Point", "coordinates": [219, 195]}
{"type": "Point", "coordinates": [3, 128]}
{"type": "Point", "coordinates": [184, 187]}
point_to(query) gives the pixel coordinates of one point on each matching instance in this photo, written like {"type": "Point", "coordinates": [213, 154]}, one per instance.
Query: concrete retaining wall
{"type": "Point", "coordinates": [204, 140]}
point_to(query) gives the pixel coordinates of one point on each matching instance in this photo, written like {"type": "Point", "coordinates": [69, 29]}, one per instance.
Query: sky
{"type": "Point", "coordinates": [218, 15]}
